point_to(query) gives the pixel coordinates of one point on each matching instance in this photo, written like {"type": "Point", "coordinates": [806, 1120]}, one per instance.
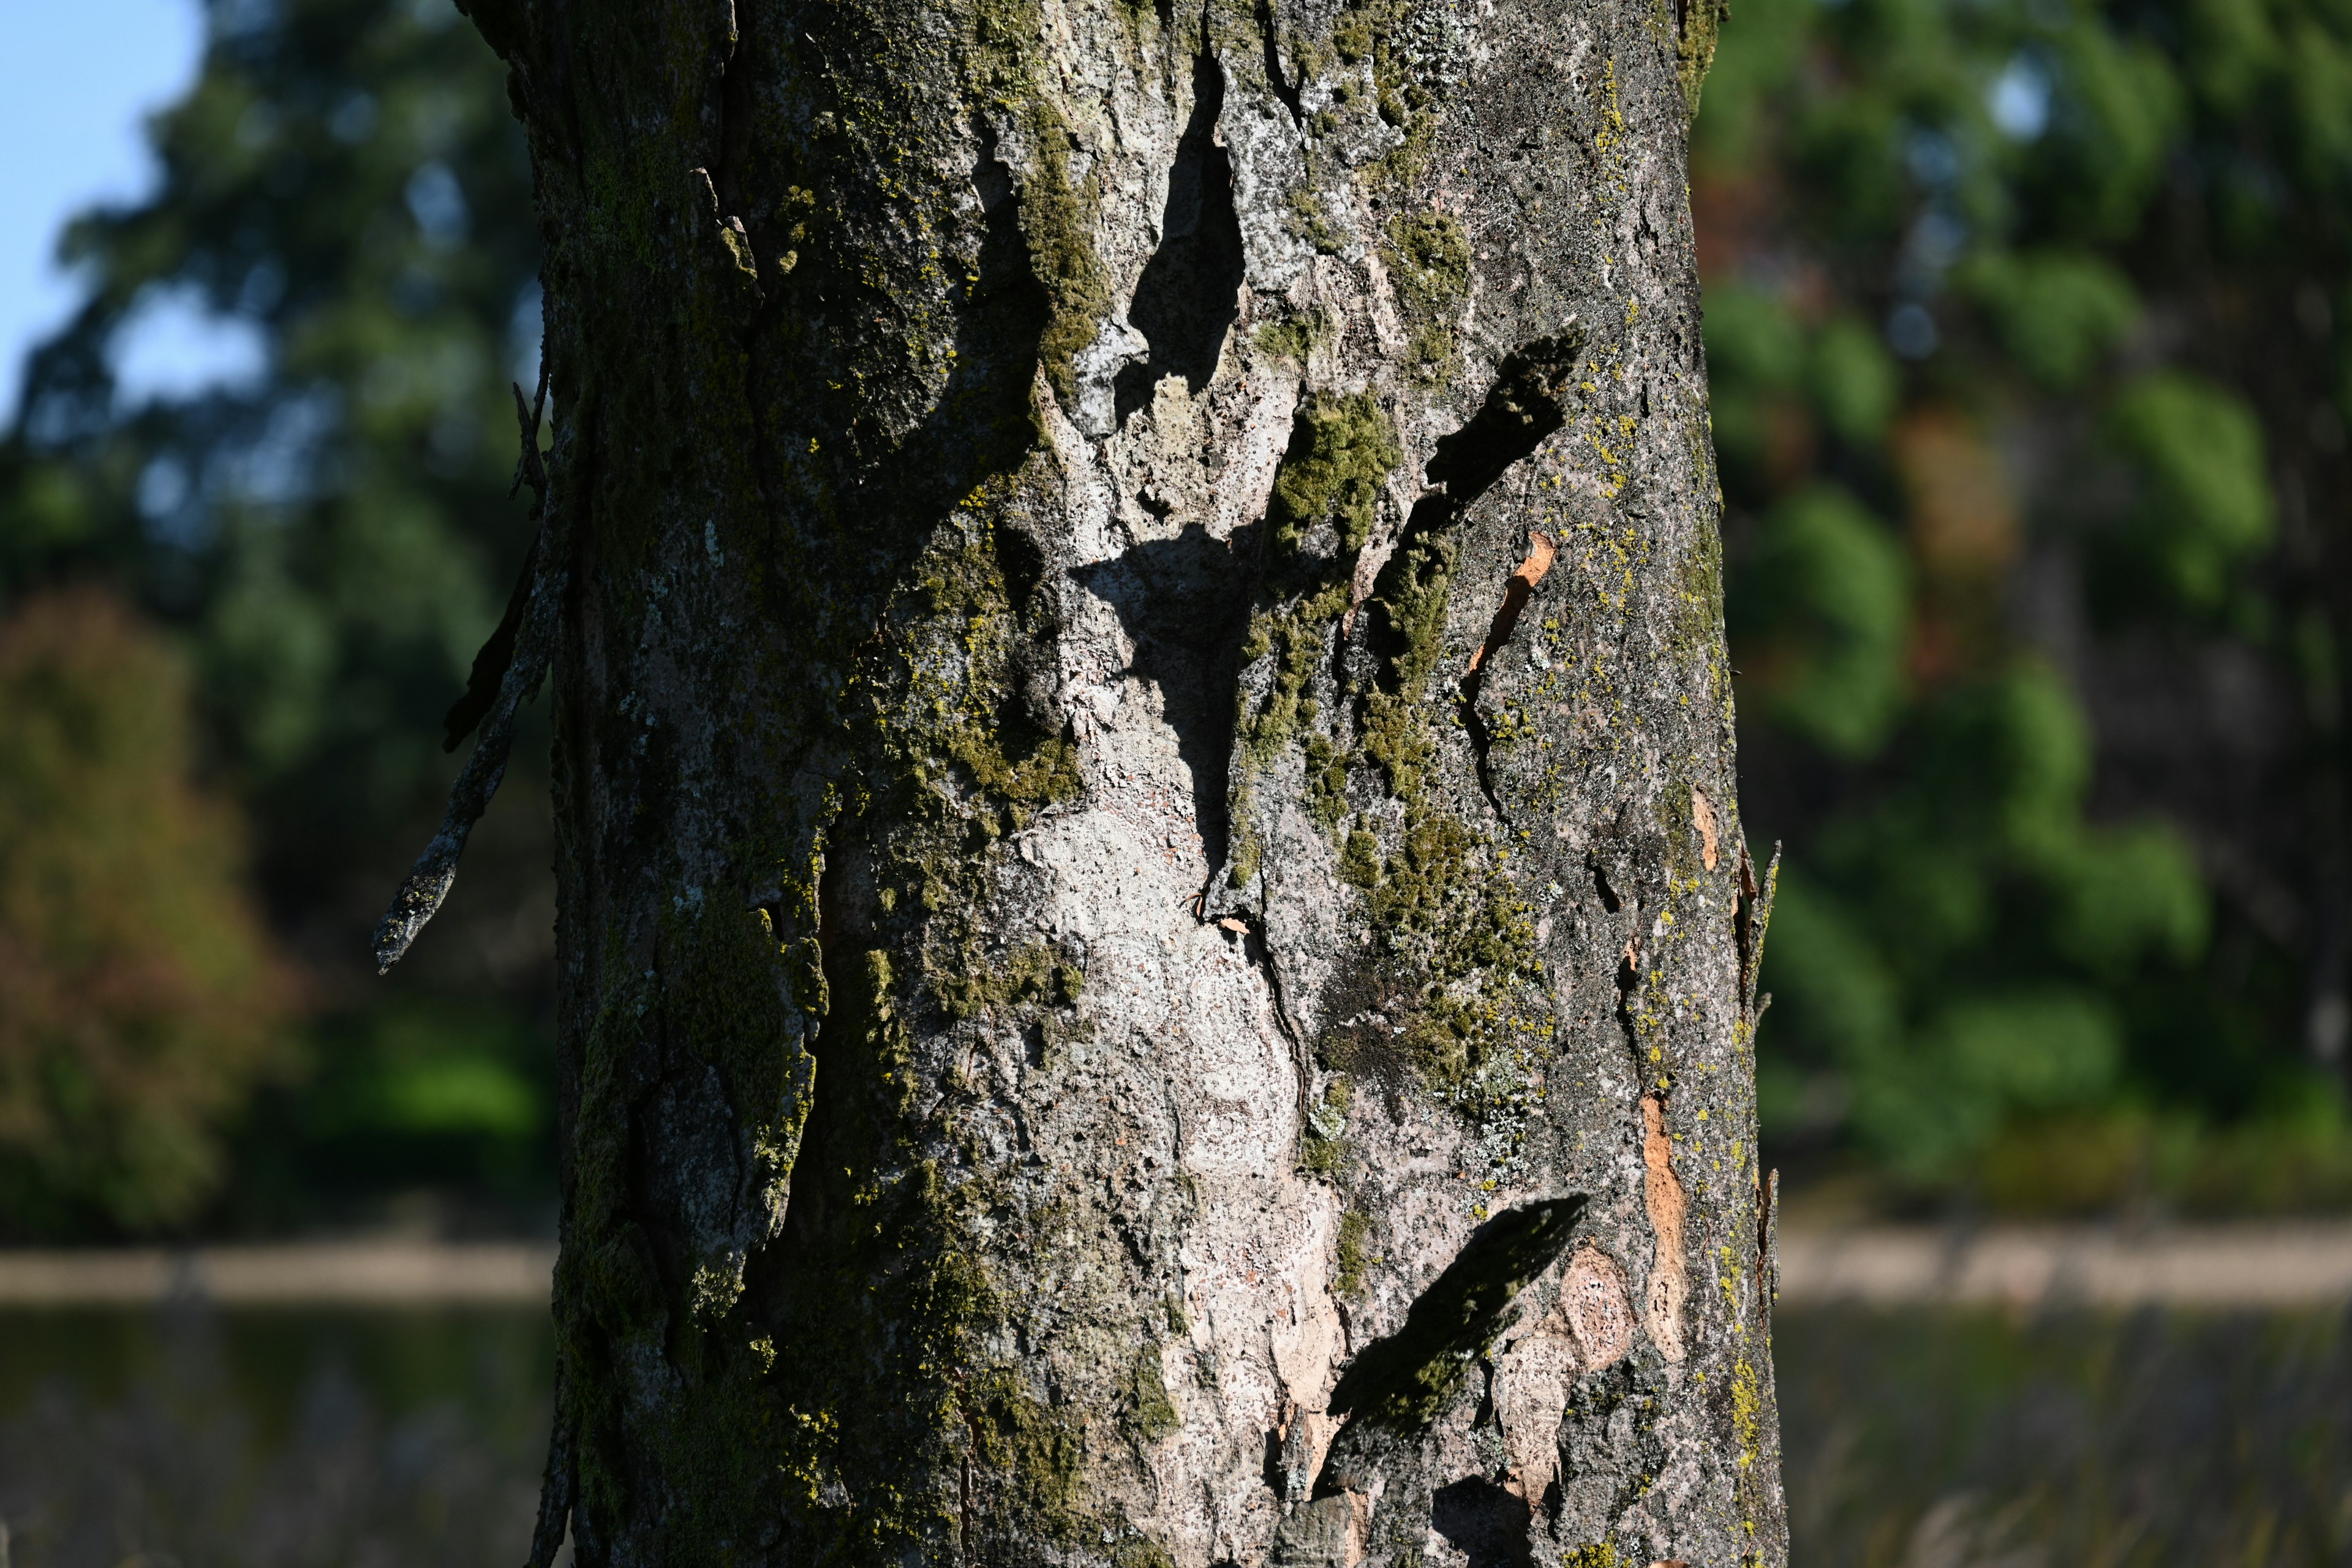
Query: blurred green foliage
{"type": "Point", "coordinates": [138, 999]}
{"type": "Point", "coordinates": [326, 542]}
{"type": "Point", "coordinates": [410, 1095]}
{"type": "Point", "coordinates": [2022, 321]}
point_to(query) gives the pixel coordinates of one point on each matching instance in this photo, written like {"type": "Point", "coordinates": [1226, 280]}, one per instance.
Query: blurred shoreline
{"type": "Point", "coordinates": [2247, 1265]}
{"type": "Point", "coordinates": [2220, 1266]}
{"type": "Point", "coordinates": [358, 1273]}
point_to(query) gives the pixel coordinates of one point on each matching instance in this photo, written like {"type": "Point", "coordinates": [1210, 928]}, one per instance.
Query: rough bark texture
{"type": "Point", "coordinates": [1157, 953]}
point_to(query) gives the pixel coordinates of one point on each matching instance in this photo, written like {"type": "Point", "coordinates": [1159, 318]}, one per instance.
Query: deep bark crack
{"type": "Point", "coordinates": [1516, 592]}
{"type": "Point", "coordinates": [1396, 1387]}
{"type": "Point", "coordinates": [1286, 91]}
{"type": "Point", "coordinates": [1189, 295]}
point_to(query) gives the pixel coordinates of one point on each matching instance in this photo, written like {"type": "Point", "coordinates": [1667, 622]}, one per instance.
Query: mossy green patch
{"type": "Point", "coordinates": [1310, 218]}
{"type": "Point", "coordinates": [1324, 1150]}
{"type": "Point", "coordinates": [1151, 1414]}
{"type": "Point", "coordinates": [1327, 783]}
{"type": "Point", "coordinates": [1299, 636]}
{"type": "Point", "coordinates": [1057, 219]}
{"type": "Point", "coordinates": [1057, 213]}
{"type": "Point", "coordinates": [1293, 336]}
{"type": "Point", "coordinates": [1038, 1454]}
{"type": "Point", "coordinates": [1355, 1229]}
{"type": "Point", "coordinates": [1428, 259]}
{"type": "Point", "coordinates": [1342, 449]}
{"type": "Point", "coordinates": [1048, 773]}
{"type": "Point", "coordinates": [1031, 973]}
{"type": "Point", "coordinates": [1452, 968]}
{"type": "Point", "coordinates": [1694, 41]}
{"type": "Point", "coordinates": [1140, 1551]}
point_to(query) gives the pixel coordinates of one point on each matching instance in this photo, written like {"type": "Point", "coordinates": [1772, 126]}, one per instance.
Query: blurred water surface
{"type": "Point", "coordinates": [139, 1438]}
{"type": "Point", "coordinates": [1913, 1438]}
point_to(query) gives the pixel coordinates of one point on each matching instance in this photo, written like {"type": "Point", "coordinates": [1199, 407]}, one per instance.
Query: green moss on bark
{"type": "Point", "coordinates": [1057, 211]}
{"type": "Point", "coordinates": [1341, 451]}
{"type": "Point", "coordinates": [1351, 1256]}
{"type": "Point", "coordinates": [1150, 1413]}
{"type": "Point", "coordinates": [1428, 259]}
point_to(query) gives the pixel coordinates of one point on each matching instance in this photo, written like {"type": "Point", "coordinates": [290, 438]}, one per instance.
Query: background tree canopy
{"type": "Point", "coordinates": [2024, 324]}
{"type": "Point", "coordinates": [329, 542]}
{"type": "Point", "coordinates": [2029, 386]}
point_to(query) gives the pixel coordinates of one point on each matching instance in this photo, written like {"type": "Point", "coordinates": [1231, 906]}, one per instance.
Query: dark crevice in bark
{"type": "Point", "coordinates": [1284, 88]}
{"type": "Point", "coordinates": [1185, 603]}
{"type": "Point", "coordinates": [975, 1437]}
{"type": "Point", "coordinates": [1001, 323]}
{"type": "Point", "coordinates": [1190, 293]}
{"type": "Point", "coordinates": [1473, 729]}
{"type": "Point", "coordinates": [1488, 1525]}
{"type": "Point", "coordinates": [1609, 899]}
{"type": "Point", "coordinates": [1275, 1474]}
{"type": "Point", "coordinates": [1029, 713]}
{"type": "Point", "coordinates": [804, 1203]}
{"type": "Point", "coordinates": [1751, 919]}
{"type": "Point", "coordinates": [1629, 980]}
{"type": "Point", "coordinates": [1527, 403]}
{"type": "Point", "coordinates": [1743, 917]}
{"type": "Point", "coordinates": [1516, 593]}
{"type": "Point", "coordinates": [734, 117]}
{"type": "Point", "coordinates": [1398, 1386]}
{"type": "Point", "coordinates": [1255, 948]}
{"type": "Point", "coordinates": [1524, 404]}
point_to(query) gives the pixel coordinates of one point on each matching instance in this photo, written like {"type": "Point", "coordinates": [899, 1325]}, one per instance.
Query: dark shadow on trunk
{"type": "Point", "coordinates": [1527, 403]}
{"type": "Point", "coordinates": [1190, 293]}
{"type": "Point", "coordinates": [1184, 602]}
{"type": "Point", "coordinates": [1397, 1386]}
{"type": "Point", "coordinates": [1482, 1522]}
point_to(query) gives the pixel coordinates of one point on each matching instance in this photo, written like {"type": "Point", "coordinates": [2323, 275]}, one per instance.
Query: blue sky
{"type": "Point", "coordinates": [76, 80]}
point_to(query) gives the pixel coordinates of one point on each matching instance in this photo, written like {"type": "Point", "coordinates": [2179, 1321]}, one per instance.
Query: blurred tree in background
{"type": "Point", "coordinates": [140, 998]}
{"type": "Point", "coordinates": [329, 540]}
{"type": "Point", "coordinates": [2029, 383]}
{"type": "Point", "coordinates": [2025, 326]}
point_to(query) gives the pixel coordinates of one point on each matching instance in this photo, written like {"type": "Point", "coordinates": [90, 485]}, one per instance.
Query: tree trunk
{"type": "Point", "coordinates": [1156, 955]}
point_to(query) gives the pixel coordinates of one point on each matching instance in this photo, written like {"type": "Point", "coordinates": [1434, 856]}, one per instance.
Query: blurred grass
{"type": "Point", "coordinates": [1945, 1440]}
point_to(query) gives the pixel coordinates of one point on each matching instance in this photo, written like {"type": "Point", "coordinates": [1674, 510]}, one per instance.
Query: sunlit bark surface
{"type": "Point", "coordinates": [1157, 952]}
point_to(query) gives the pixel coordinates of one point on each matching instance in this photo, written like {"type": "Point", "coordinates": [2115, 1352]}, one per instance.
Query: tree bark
{"type": "Point", "coordinates": [1157, 957]}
